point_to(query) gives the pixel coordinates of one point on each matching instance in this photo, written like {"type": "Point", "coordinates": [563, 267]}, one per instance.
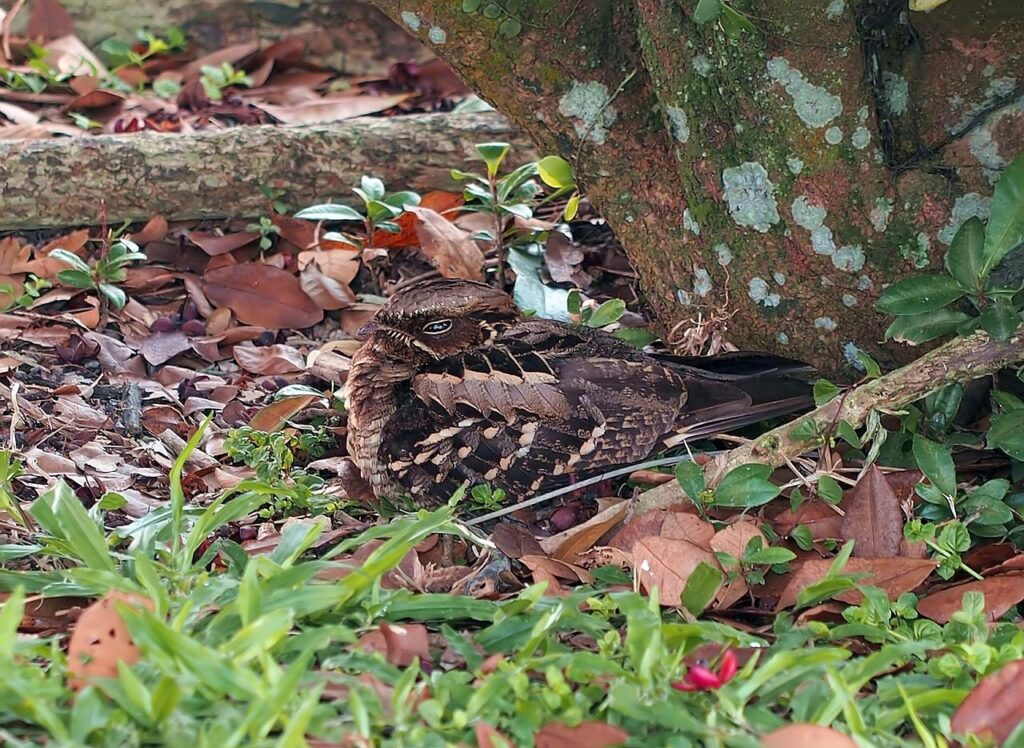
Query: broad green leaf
{"type": "Point", "coordinates": [707, 10]}
{"type": "Point", "coordinates": [510, 27]}
{"type": "Point", "coordinates": [1007, 433]}
{"type": "Point", "coordinates": [920, 328]}
{"type": "Point", "coordinates": [471, 6]}
{"type": "Point", "coordinates": [493, 154]}
{"type": "Point", "coordinates": [746, 486]}
{"type": "Point", "coordinates": [769, 556]}
{"type": "Point", "coordinates": [637, 337]}
{"type": "Point", "coordinates": [574, 303]}
{"type": "Point", "coordinates": [1000, 320]}
{"type": "Point", "coordinates": [1005, 228]}
{"type": "Point", "coordinates": [530, 293]}
{"type": "Point", "coordinates": [402, 199]}
{"type": "Point", "coordinates": [691, 477]}
{"type": "Point", "coordinates": [871, 367]}
{"type": "Point", "coordinates": [76, 278]}
{"type": "Point", "coordinates": [116, 295]}
{"type": "Point", "coordinates": [372, 188]}
{"type": "Point", "coordinates": [919, 294]}
{"type": "Point", "coordinates": [965, 258]}
{"type": "Point", "coordinates": [829, 489]}
{"type": "Point", "coordinates": [11, 612]}
{"type": "Point", "coordinates": [735, 23]}
{"type": "Point", "coordinates": [701, 587]}
{"type": "Point", "coordinates": [61, 514]}
{"type": "Point", "coordinates": [936, 463]}
{"type": "Point", "coordinates": [330, 212]}
{"type": "Point", "coordinates": [824, 391]}
{"type": "Point", "coordinates": [71, 259]}
{"type": "Point", "coordinates": [555, 172]}
{"type": "Point", "coordinates": [610, 311]}
{"type": "Point", "coordinates": [572, 207]}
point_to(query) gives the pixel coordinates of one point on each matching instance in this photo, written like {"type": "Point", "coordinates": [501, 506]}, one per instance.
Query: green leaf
{"type": "Point", "coordinates": [509, 27]}
{"type": "Point", "coordinates": [1007, 433]}
{"type": "Point", "coordinates": [1005, 228]}
{"type": "Point", "coordinates": [372, 187]}
{"type": "Point", "coordinates": [71, 259]}
{"type": "Point", "coordinates": [471, 6]}
{"type": "Point", "coordinates": [76, 278]}
{"type": "Point", "coordinates": [965, 259]}
{"type": "Point", "coordinates": [919, 294]}
{"type": "Point", "coordinates": [60, 513]}
{"type": "Point", "coordinates": [848, 434]}
{"type": "Point", "coordinates": [824, 391]}
{"type": "Point", "coordinates": [936, 463]}
{"type": "Point", "coordinates": [735, 23]}
{"type": "Point", "coordinates": [330, 212]}
{"type": "Point", "coordinates": [116, 295]}
{"type": "Point", "coordinates": [493, 154]}
{"type": "Point", "coordinates": [574, 303]}
{"type": "Point", "coordinates": [701, 587]}
{"type": "Point", "coordinates": [920, 328]}
{"type": "Point", "coordinates": [691, 477]}
{"type": "Point", "coordinates": [769, 556]}
{"type": "Point", "coordinates": [572, 207]}
{"type": "Point", "coordinates": [610, 311]}
{"type": "Point", "coordinates": [829, 489]}
{"type": "Point", "coordinates": [402, 199]}
{"type": "Point", "coordinates": [638, 337]}
{"type": "Point", "coordinates": [746, 486]}
{"type": "Point", "coordinates": [871, 367]}
{"type": "Point", "coordinates": [530, 293]}
{"type": "Point", "coordinates": [707, 10]}
{"type": "Point", "coordinates": [1000, 320]}
{"type": "Point", "coordinates": [555, 171]}
{"type": "Point", "coordinates": [492, 11]}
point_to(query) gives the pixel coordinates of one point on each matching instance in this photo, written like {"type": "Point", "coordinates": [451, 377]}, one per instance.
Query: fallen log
{"type": "Point", "coordinates": [214, 174]}
{"type": "Point", "coordinates": [959, 360]}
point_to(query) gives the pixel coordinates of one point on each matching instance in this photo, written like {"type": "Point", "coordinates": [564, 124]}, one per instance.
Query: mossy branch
{"type": "Point", "coordinates": [959, 360]}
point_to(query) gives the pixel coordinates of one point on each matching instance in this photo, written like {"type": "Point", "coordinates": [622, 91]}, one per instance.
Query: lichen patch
{"type": "Point", "coordinates": [813, 104]}
{"type": "Point", "coordinates": [751, 196]}
{"type": "Point", "coordinates": [589, 103]}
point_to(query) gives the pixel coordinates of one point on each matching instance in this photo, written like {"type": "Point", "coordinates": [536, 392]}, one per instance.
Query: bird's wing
{"type": "Point", "coordinates": [527, 414]}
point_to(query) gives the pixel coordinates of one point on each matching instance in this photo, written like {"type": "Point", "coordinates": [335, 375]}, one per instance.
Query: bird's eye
{"type": "Point", "coordinates": [437, 327]}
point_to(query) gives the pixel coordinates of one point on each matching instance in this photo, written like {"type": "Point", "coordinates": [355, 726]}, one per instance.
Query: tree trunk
{"type": "Point", "coordinates": [772, 183]}
{"type": "Point", "coordinates": [219, 173]}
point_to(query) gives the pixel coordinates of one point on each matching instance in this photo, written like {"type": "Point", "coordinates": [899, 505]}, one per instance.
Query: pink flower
{"type": "Point", "coordinates": [700, 678]}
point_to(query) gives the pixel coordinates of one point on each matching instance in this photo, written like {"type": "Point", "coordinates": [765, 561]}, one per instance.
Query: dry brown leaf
{"type": "Point", "coordinates": [273, 416]}
{"type": "Point", "coordinates": [340, 264]}
{"type": "Point", "coordinates": [232, 54]}
{"type": "Point", "coordinates": [515, 541]}
{"type": "Point", "coordinates": [326, 292]}
{"type": "Point", "coordinates": [806, 736]}
{"type": "Point", "coordinates": [406, 643]}
{"type": "Point", "coordinates": [262, 295]}
{"type": "Point", "coordinates": [734, 538]}
{"type": "Point", "coordinates": [17, 114]}
{"type": "Point", "coordinates": [220, 244]}
{"type": "Point", "coordinates": [685, 527]}
{"type": "Point", "coordinates": [995, 706]}
{"type": "Point", "coordinates": [893, 575]}
{"type": "Point", "coordinates": [488, 737]}
{"type": "Point", "coordinates": [556, 568]}
{"type": "Point", "coordinates": [1001, 593]}
{"type": "Point", "coordinates": [100, 640]}
{"type": "Point", "coordinates": [333, 109]}
{"type": "Point", "coordinates": [666, 563]}
{"type": "Point", "coordinates": [155, 228]}
{"type": "Point", "coordinates": [873, 518]}
{"type": "Point", "coordinates": [161, 347]}
{"type": "Point", "coordinates": [269, 359]}
{"type": "Point", "coordinates": [49, 20]}
{"type": "Point", "coordinates": [823, 521]}
{"type": "Point", "coordinates": [450, 249]}
{"type": "Point", "coordinates": [583, 735]}
{"type": "Point", "coordinates": [569, 544]}
{"type": "Point", "coordinates": [67, 54]}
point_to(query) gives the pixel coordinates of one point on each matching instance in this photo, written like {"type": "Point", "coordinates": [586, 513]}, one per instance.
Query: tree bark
{"type": "Point", "coordinates": [773, 183]}
{"type": "Point", "coordinates": [212, 174]}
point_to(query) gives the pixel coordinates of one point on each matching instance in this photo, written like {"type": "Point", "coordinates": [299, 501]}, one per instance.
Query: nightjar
{"type": "Point", "coordinates": [454, 386]}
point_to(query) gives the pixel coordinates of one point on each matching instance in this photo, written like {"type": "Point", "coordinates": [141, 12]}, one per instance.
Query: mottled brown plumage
{"type": "Point", "coordinates": [453, 386]}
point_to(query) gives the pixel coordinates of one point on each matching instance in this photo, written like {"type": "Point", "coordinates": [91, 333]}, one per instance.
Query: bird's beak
{"type": "Point", "coordinates": [366, 330]}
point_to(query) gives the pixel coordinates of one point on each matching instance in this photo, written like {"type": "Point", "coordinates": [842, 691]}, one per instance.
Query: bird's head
{"type": "Point", "coordinates": [434, 319]}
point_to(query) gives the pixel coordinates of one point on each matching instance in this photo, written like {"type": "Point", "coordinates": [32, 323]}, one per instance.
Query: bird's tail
{"type": "Point", "coordinates": [734, 390]}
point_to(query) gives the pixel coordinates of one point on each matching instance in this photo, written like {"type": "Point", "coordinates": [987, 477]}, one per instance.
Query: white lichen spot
{"type": "Point", "coordinates": [880, 213]}
{"type": "Point", "coordinates": [864, 283]}
{"type": "Point", "coordinates": [835, 9]}
{"type": "Point", "coordinates": [411, 20]}
{"type": "Point", "coordinates": [895, 92]}
{"type": "Point", "coordinates": [702, 65]}
{"type": "Point", "coordinates": [862, 114]}
{"type": "Point", "coordinates": [779, 278]}
{"type": "Point", "coordinates": [808, 215]}
{"type": "Point", "coordinates": [794, 164]}
{"type": "Point", "coordinates": [701, 282]}
{"type": "Point", "coordinates": [751, 196]}
{"type": "Point", "coordinates": [723, 253]}
{"type": "Point", "coordinates": [814, 104]}
{"type": "Point", "coordinates": [986, 150]}
{"type": "Point", "coordinates": [850, 351]}
{"type": "Point", "coordinates": [783, 338]}
{"type": "Point", "coordinates": [589, 103]}
{"type": "Point", "coordinates": [833, 135]}
{"type": "Point", "coordinates": [683, 297]}
{"type": "Point", "coordinates": [437, 35]}
{"type": "Point", "coordinates": [678, 123]}
{"type": "Point", "coordinates": [825, 323]}
{"type": "Point", "coordinates": [759, 290]}
{"type": "Point", "coordinates": [822, 242]}
{"type": "Point", "coordinates": [826, 282]}
{"type": "Point", "coordinates": [690, 223]}
{"type": "Point", "coordinates": [861, 138]}
{"type": "Point", "coordinates": [849, 300]}
{"type": "Point", "coordinates": [971, 205]}
{"type": "Point", "coordinates": [989, 70]}
{"type": "Point", "coordinates": [917, 252]}
{"type": "Point", "coordinates": [849, 259]}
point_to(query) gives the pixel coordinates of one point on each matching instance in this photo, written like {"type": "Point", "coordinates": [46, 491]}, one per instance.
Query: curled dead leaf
{"type": "Point", "coordinates": [1001, 593]}
{"type": "Point", "coordinates": [100, 640]}
{"type": "Point", "coordinates": [995, 706]}
{"type": "Point", "coordinates": [450, 249]}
